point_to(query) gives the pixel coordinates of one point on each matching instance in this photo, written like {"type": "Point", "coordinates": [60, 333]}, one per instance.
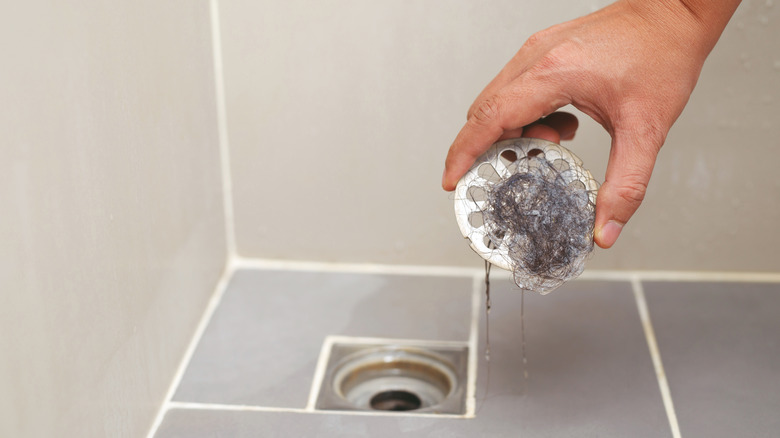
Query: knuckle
{"type": "Point", "coordinates": [472, 110]}
{"type": "Point", "coordinates": [655, 133]}
{"type": "Point", "coordinates": [488, 111]}
{"type": "Point", "coordinates": [632, 191]}
{"type": "Point", "coordinates": [558, 62]}
{"type": "Point", "coordinates": [642, 123]}
{"type": "Point", "coordinates": [534, 40]}
{"type": "Point", "coordinates": [540, 38]}
{"type": "Point", "coordinates": [552, 61]}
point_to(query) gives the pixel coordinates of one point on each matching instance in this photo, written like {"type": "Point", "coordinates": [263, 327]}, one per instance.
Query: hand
{"type": "Point", "coordinates": [630, 66]}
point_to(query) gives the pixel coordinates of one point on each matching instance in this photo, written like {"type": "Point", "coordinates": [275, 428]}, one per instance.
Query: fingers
{"type": "Point", "coordinates": [514, 107]}
{"type": "Point", "coordinates": [512, 133]}
{"type": "Point", "coordinates": [504, 77]}
{"type": "Point", "coordinates": [628, 173]}
{"type": "Point", "coordinates": [555, 127]}
{"type": "Point", "coordinates": [471, 142]}
{"type": "Point", "coordinates": [564, 123]}
{"type": "Point", "coordinates": [511, 71]}
{"type": "Point", "coordinates": [538, 130]}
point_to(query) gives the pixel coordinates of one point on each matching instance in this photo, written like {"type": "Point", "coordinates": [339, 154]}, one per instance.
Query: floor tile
{"type": "Point", "coordinates": [189, 423]}
{"type": "Point", "coordinates": [720, 345]}
{"type": "Point", "coordinates": [263, 341]}
{"type": "Point", "coordinates": [589, 370]}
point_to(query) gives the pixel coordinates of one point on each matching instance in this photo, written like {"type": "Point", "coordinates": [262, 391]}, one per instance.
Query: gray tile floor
{"type": "Point", "coordinates": [720, 343]}
{"type": "Point", "coordinates": [262, 344]}
{"type": "Point", "coordinates": [590, 372]}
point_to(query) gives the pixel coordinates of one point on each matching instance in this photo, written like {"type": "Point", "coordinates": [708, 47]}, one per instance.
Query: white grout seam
{"type": "Point", "coordinates": [213, 303]}
{"type": "Point", "coordinates": [228, 213]}
{"type": "Point", "coordinates": [471, 379]}
{"type": "Point", "coordinates": [357, 340]}
{"type": "Point", "coordinates": [222, 129]}
{"type": "Point", "coordinates": [363, 268]}
{"type": "Point", "coordinates": [462, 272]}
{"type": "Point", "coordinates": [319, 373]}
{"type": "Point", "coordinates": [249, 408]}
{"type": "Point", "coordinates": [655, 354]}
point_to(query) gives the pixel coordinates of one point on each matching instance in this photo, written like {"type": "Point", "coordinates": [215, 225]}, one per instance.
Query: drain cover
{"type": "Point", "coordinates": [393, 376]}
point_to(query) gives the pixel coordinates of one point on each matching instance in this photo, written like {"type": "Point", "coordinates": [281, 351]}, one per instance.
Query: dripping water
{"type": "Point", "coordinates": [487, 331]}
{"type": "Point", "coordinates": [488, 265]}
{"type": "Point", "coordinates": [522, 335]}
{"type": "Point", "coordinates": [487, 310]}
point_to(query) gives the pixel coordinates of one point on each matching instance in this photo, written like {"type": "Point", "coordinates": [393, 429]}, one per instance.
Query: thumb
{"type": "Point", "coordinates": [631, 162]}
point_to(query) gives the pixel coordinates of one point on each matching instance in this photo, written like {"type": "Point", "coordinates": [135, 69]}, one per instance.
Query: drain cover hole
{"type": "Point", "coordinates": [395, 401]}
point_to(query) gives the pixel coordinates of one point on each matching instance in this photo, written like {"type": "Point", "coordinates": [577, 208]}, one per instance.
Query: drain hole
{"type": "Point", "coordinates": [395, 401]}
{"type": "Point", "coordinates": [393, 377]}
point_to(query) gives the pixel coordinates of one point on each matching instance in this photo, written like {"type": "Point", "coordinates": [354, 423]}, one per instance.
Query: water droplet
{"type": "Point", "coordinates": [763, 19]}
{"type": "Point", "coordinates": [769, 3]}
{"type": "Point", "coordinates": [777, 65]}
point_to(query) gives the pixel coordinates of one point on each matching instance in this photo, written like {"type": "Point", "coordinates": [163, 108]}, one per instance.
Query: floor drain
{"type": "Point", "coordinates": [395, 401]}
{"type": "Point", "coordinates": [395, 377]}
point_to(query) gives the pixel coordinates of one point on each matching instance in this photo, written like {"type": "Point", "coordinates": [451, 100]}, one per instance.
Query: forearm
{"type": "Point", "coordinates": [706, 19]}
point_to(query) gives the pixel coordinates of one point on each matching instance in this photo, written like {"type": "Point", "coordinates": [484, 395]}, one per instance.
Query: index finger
{"type": "Point", "coordinates": [513, 107]}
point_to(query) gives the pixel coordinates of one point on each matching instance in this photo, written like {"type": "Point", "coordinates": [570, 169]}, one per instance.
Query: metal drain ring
{"type": "Point", "coordinates": [475, 179]}
{"type": "Point", "coordinates": [362, 376]}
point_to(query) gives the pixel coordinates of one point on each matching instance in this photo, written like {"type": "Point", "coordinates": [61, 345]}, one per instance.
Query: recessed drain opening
{"type": "Point", "coordinates": [393, 370]}
{"type": "Point", "coordinates": [395, 401]}
{"type": "Point", "coordinates": [395, 378]}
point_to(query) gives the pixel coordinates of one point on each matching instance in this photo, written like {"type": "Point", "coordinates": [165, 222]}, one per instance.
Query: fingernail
{"type": "Point", "coordinates": [609, 233]}
{"type": "Point", "coordinates": [444, 178]}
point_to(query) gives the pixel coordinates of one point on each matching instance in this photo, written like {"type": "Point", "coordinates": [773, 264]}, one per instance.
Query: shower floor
{"type": "Point", "coordinates": [591, 372]}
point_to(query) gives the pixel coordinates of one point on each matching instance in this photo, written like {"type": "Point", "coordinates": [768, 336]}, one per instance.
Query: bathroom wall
{"type": "Point", "coordinates": [111, 223]}
{"type": "Point", "coordinates": [340, 115]}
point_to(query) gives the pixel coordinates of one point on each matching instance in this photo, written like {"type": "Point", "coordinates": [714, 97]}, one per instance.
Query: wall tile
{"type": "Point", "coordinates": [340, 115]}
{"type": "Point", "coordinates": [111, 227]}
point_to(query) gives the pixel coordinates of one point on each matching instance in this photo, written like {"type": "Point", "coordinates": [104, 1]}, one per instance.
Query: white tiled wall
{"type": "Point", "coordinates": [340, 115]}
{"type": "Point", "coordinates": [111, 229]}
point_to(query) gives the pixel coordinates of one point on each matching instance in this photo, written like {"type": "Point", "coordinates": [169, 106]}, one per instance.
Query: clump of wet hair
{"type": "Point", "coordinates": [546, 221]}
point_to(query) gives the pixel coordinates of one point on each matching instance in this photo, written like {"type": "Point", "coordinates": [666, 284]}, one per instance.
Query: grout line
{"type": "Point", "coordinates": [319, 373]}
{"type": "Point", "coordinates": [419, 270]}
{"type": "Point", "coordinates": [356, 340]}
{"type": "Point", "coordinates": [249, 408]}
{"type": "Point", "coordinates": [214, 301]}
{"type": "Point", "coordinates": [471, 379]}
{"type": "Point", "coordinates": [655, 354]}
{"type": "Point", "coordinates": [222, 129]}
{"type": "Point", "coordinates": [458, 271]}
{"type": "Point", "coordinates": [683, 276]}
